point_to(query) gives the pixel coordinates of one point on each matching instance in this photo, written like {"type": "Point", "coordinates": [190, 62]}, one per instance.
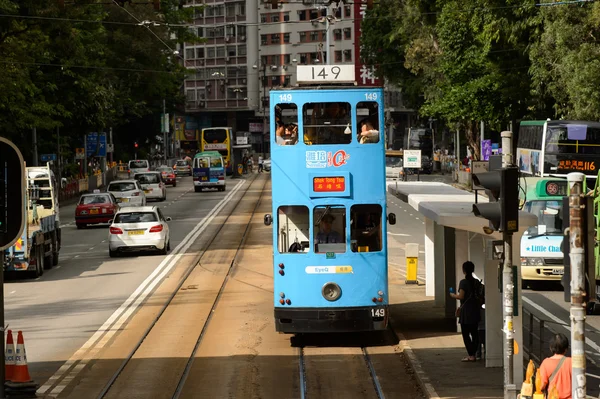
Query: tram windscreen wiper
{"type": "Point", "coordinates": [327, 208]}
{"type": "Point", "coordinates": [546, 234]}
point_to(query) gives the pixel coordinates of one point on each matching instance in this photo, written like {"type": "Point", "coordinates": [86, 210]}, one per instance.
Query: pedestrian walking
{"type": "Point", "coordinates": [469, 311]}
{"type": "Point", "coordinates": [260, 164]}
{"type": "Point", "coordinates": [555, 370]}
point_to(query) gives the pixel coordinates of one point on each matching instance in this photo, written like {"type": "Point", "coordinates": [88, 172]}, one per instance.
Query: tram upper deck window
{"type": "Point", "coordinates": [286, 124]}
{"type": "Point", "coordinates": [293, 229]}
{"type": "Point", "coordinates": [327, 123]}
{"type": "Point", "coordinates": [368, 126]}
{"type": "Point", "coordinates": [330, 227]}
{"type": "Point", "coordinates": [365, 228]}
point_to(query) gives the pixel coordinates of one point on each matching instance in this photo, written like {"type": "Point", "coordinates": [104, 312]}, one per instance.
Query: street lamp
{"type": "Point", "coordinates": [263, 68]}
{"type": "Point", "coordinates": [328, 20]}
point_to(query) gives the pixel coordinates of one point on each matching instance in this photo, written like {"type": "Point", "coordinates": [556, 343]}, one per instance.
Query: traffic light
{"type": "Point", "coordinates": [502, 188]}
{"type": "Point", "coordinates": [135, 144]}
{"type": "Point", "coordinates": [12, 189]}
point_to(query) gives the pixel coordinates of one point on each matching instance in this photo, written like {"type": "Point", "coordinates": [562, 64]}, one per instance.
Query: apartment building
{"type": "Point", "coordinates": [251, 48]}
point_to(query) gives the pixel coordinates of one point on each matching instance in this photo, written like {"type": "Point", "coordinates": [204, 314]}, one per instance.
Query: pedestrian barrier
{"type": "Point", "coordinates": [18, 382]}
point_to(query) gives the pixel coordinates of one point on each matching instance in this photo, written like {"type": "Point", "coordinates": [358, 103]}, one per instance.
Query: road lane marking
{"type": "Point", "coordinates": [534, 305]}
{"type": "Point", "coordinates": [399, 234]}
{"type": "Point", "coordinates": [99, 339]}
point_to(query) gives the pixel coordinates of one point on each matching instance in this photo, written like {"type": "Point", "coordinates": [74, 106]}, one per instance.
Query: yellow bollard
{"type": "Point", "coordinates": [538, 386]}
{"type": "Point", "coordinates": [527, 387]}
{"type": "Point", "coordinates": [412, 261]}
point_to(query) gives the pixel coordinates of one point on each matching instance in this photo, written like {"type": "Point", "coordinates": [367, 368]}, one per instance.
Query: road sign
{"type": "Point", "coordinates": [48, 157]}
{"type": "Point", "coordinates": [12, 194]}
{"type": "Point", "coordinates": [412, 158]}
{"type": "Point", "coordinates": [96, 144]}
{"type": "Point", "coordinates": [79, 153]}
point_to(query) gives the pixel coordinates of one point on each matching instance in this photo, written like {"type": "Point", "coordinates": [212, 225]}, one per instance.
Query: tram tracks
{"type": "Point", "coordinates": [346, 371]}
{"type": "Point", "coordinates": [177, 298]}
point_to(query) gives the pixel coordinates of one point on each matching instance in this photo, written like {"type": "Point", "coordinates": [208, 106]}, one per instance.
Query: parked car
{"type": "Point", "coordinates": [139, 229]}
{"type": "Point", "coordinates": [168, 175]}
{"type": "Point", "coordinates": [137, 166]}
{"type": "Point", "coordinates": [267, 165]}
{"type": "Point", "coordinates": [127, 192]}
{"type": "Point", "coordinates": [393, 167]}
{"type": "Point", "coordinates": [183, 167]}
{"type": "Point", "coordinates": [95, 208]}
{"type": "Point", "coordinates": [152, 184]}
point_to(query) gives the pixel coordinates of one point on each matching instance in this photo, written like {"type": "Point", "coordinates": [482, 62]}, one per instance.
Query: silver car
{"type": "Point", "coordinates": [127, 192]}
{"type": "Point", "coordinates": [182, 167]}
{"type": "Point", "coordinates": [152, 184]}
{"type": "Point", "coordinates": [141, 228]}
{"type": "Point", "coordinates": [138, 166]}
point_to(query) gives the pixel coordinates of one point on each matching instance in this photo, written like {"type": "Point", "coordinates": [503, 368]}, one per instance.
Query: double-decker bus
{"type": "Point", "coordinates": [557, 148]}
{"type": "Point", "coordinates": [219, 139]}
{"type": "Point", "coordinates": [329, 205]}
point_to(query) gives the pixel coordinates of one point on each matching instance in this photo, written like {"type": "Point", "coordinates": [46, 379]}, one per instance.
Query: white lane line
{"type": "Point", "coordinates": [110, 327]}
{"type": "Point", "coordinates": [534, 305]}
{"type": "Point", "coordinates": [399, 234]}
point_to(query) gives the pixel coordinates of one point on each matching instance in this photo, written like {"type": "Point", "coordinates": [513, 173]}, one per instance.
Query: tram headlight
{"type": "Point", "coordinates": [331, 291]}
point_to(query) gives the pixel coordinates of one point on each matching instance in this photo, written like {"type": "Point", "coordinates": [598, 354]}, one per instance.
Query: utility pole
{"type": "Point", "coordinates": [164, 129]}
{"type": "Point", "coordinates": [264, 85]}
{"type": "Point", "coordinates": [35, 149]}
{"type": "Point", "coordinates": [112, 147]}
{"type": "Point", "coordinates": [327, 43]}
{"type": "Point", "coordinates": [508, 287]}
{"type": "Point", "coordinates": [577, 239]}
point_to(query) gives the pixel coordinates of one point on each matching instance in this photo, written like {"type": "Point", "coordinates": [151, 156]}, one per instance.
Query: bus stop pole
{"type": "Point", "coordinates": [508, 287]}
{"type": "Point", "coordinates": [578, 296]}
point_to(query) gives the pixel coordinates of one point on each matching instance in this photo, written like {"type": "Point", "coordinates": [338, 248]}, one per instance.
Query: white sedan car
{"type": "Point", "coordinates": [127, 192]}
{"type": "Point", "coordinates": [141, 228]}
{"type": "Point", "coordinates": [153, 185]}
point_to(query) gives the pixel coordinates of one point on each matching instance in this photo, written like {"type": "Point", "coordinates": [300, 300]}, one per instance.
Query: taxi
{"type": "Point", "coordinates": [95, 208]}
{"type": "Point", "coordinates": [168, 175]}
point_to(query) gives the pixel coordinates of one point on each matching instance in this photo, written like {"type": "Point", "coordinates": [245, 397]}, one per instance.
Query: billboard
{"type": "Point", "coordinates": [365, 74]}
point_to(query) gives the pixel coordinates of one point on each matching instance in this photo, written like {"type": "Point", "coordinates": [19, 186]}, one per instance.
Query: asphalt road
{"type": "Point", "coordinates": [60, 311]}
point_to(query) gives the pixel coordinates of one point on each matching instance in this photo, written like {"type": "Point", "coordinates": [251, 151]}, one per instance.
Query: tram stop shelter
{"type": "Point", "coordinates": [453, 235]}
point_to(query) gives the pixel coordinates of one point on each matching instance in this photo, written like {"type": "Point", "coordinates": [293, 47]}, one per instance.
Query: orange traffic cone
{"type": "Point", "coordinates": [9, 357]}
{"type": "Point", "coordinates": [21, 371]}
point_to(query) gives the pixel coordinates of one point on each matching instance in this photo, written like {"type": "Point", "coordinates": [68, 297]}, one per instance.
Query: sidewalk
{"type": "Point", "coordinates": [435, 351]}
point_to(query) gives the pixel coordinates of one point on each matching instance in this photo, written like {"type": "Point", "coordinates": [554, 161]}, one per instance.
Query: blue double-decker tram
{"type": "Point", "coordinates": [329, 204]}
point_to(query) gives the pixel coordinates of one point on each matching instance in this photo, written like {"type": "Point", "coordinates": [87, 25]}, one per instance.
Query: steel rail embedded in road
{"type": "Point", "coordinates": [374, 378]}
{"type": "Point", "coordinates": [169, 301]}
{"type": "Point", "coordinates": [190, 361]}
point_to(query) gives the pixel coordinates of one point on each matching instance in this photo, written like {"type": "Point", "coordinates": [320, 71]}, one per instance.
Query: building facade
{"type": "Point", "coordinates": [251, 48]}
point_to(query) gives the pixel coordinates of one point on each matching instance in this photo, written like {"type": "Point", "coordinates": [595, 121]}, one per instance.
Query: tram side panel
{"type": "Point", "coordinates": [329, 282]}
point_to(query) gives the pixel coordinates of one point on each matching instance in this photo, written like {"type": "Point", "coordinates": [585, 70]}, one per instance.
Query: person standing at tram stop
{"type": "Point", "coordinates": [555, 371]}
{"type": "Point", "coordinates": [326, 235]}
{"type": "Point", "coordinates": [469, 311]}
{"type": "Point", "coordinates": [260, 164]}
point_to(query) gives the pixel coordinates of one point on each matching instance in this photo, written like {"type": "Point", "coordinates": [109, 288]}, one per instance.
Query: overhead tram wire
{"type": "Point", "coordinates": [160, 23]}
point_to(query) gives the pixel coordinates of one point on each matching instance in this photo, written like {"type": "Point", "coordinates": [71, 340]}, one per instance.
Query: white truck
{"type": "Point", "coordinates": [39, 245]}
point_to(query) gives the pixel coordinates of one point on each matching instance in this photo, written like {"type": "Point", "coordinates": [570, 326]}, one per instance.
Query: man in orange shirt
{"type": "Point", "coordinates": [556, 370]}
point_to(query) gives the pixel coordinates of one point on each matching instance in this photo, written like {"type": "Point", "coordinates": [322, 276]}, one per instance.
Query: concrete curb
{"type": "Point", "coordinates": [422, 378]}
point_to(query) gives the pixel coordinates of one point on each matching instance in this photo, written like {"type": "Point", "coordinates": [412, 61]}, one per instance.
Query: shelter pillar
{"type": "Point", "coordinates": [439, 252]}
{"type": "Point", "coordinates": [449, 270]}
{"type": "Point", "coordinates": [430, 257]}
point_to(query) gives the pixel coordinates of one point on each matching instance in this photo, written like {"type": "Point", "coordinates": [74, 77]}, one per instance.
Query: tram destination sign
{"type": "Point", "coordinates": [332, 184]}
{"type": "Point", "coordinates": [325, 74]}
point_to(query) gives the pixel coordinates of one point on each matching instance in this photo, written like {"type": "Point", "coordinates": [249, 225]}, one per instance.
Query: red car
{"type": "Point", "coordinates": [95, 208]}
{"type": "Point", "coordinates": [168, 175]}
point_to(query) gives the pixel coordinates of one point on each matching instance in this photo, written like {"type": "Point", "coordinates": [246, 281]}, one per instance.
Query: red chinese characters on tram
{"type": "Point", "coordinates": [329, 184]}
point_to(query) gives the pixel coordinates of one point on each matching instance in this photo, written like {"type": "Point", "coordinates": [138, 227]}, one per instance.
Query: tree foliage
{"type": "Point", "coordinates": [488, 60]}
{"type": "Point", "coordinates": [86, 66]}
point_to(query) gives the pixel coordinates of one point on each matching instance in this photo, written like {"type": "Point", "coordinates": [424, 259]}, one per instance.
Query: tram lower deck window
{"type": "Point", "coordinates": [365, 228]}
{"type": "Point", "coordinates": [293, 229]}
{"type": "Point", "coordinates": [330, 229]}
